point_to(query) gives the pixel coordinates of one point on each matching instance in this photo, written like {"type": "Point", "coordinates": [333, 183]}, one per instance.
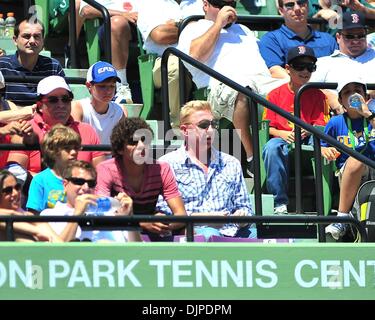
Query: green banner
{"type": "Point", "coordinates": [210, 271]}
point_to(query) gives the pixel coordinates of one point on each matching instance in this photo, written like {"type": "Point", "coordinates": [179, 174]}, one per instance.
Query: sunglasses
{"type": "Point", "coordinates": [80, 182]}
{"type": "Point", "coordinates": [9, 190]}
{"type": "Point", "coordinates": [354, 36]}
{"type": "Point", "coordinates": [220, 4]}
{"type": "Point", "coordinates": [54, 99]}
{"type": "Point", "coordinates": [310, 67]}
{"type": "Point", "coordinates": [290, 5]}
{"type": "Point", "coordinates": [133, 142]}
{"type": "Point", "coordinates": [205, 124]}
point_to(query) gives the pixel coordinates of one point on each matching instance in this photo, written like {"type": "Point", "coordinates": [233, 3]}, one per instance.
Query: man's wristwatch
{"type": "Point", "coordinates": [372, 116]}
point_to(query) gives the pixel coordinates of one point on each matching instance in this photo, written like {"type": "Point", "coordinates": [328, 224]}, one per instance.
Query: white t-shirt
{"type": "Point", "coordinates": [62, 209]}
{"type": "Point", "coordinates": [236, 56]}
{"type": "Point", "coordinates": [338, 65]}
{"type": "Point", "coordinates": [153, 13]}
{"type": "Point", "coordinates": [102, 123]}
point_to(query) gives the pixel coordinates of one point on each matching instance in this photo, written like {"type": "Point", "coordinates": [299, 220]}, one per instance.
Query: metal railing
{"type": "Point", "coordinates": [132, 222]}
{"type": "Point", "coordinates": [72, 31]}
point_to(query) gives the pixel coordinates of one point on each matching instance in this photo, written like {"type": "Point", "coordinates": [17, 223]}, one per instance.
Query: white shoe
{"type": "Point", "coordinates": [124, 94]}
{"type": "Point", "coordinates": [337, 230]}
{"type": "Point", "coordinates": [280, 209]}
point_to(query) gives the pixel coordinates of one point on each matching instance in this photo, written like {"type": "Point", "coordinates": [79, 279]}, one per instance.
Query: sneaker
{"type": "Point", "coordinates": [280, 209]}
{"type": "Point", "coordinates": [124, 94]}
{"type": "Point", "coordinates": [337, 230]}
{"type": "Point", "coordinates": [250, 168]}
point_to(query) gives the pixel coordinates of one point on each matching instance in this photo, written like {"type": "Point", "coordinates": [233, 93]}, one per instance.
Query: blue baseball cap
{"type": "Point", "coordinates": [101, 71]}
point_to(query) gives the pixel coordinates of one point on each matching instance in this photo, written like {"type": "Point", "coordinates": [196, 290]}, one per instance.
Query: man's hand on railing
{"type": "Point", "coordinates": [156, 227]}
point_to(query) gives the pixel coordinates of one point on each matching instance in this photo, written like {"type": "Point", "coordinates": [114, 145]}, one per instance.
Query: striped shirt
{"type": "Point", "coordinates": [24, 94]}
{"type": "Point", "coordinates": [158, 180]}
{"type": "Point", "coordinates": [222, 189]}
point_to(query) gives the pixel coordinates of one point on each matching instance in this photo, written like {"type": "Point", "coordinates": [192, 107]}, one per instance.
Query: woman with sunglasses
{"type": "Point", "coordinates": [314, 110]}
{"type": "Point", "coordinates": [132, 171]}
{"type": "Point", "coordinates": [10, 204]}
{"type": "Point", "coordinates": [79, 185]}
{"type": "Point", "coordinates": [59, 147]}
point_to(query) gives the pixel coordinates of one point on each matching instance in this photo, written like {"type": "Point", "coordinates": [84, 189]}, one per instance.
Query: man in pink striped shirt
{"type": "Point", "coordinates": [131, 171]}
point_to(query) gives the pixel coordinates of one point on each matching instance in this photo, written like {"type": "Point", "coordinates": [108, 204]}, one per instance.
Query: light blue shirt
{"type": "Point", "coordinates": [43, 189]}
{"type": "Point", "coordinates": [221, 189]}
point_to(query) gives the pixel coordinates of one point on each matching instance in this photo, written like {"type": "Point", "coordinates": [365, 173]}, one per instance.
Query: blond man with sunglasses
{"type": "Point", "coordinates": [54, 107]}
{"type": "Point", "coordinates": [274, 45]}
{"type": "Point", "coordinates": [314, 110]}
{"type": "Point", "coordinates": [210, 181]}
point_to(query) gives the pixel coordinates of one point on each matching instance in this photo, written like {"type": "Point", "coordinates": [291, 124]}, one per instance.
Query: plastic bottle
{"type": "Point", "coordinates": [355, 101]}
{"type": "Point", "coordinates": [105, 205]}
{"type": "Point", "coordinates": [10, 22]}
{"type": "Point", "coordinates": [2, 25]}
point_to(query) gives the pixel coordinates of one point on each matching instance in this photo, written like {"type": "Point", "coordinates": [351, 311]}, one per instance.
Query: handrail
{"type": "Point", "coordinates": [132, 222]}
{"type": "Point", "coordinates": [72, 33]}
{"type": "Point", "coordinates": [36, 79]}
{"type": "Point", "coordinates": [258, 99]}
{"type": "Point", "coordinates": [107, 28]}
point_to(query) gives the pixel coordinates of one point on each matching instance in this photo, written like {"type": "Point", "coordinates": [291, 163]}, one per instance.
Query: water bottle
{"type": "Point", "coordinates": [104, 206]}
{"type": "Point", "coordinates": [355, 101]}
{"type": "Point", "coordinates": [10, 22]}
{"type": "Point", "coordinates": [2, 25]}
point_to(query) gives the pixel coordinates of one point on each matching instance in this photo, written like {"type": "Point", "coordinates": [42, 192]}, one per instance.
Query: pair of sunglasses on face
{"type": "Point", "coordinates": [54, 99]}
{"type": "Point", "coordinates": [205, 124]}
{"type": "Point", "coordinates": [80, 181]}
{"type": "Point", "coordinates": [220, 3]}
{"type": "Point", "coordinates": [309, 66]}
{"type": "Point", "coordinates": [9, 190]}
{"type": "Point", "coordinates": [354, 36]}
{"type": "Point", "coordinates": [291, 4]}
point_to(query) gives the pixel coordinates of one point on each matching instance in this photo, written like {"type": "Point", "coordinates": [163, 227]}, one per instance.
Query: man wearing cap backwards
{"type": "Point", "coordinates": [314, 110]}
{"type": "Point", "coordinates": [99, 110]}
{"type": "Point", "coordinates": [53, 107]}
{"type": "Point", "coordinates": [27, 61]}
{"type": "Point", "coordinates": [356, 129]}
{"type": "Point", "coordinates": [295, 31]}
{"type": "Point", "coordinates": [232, 50]}
{"type": "Point", "coordinates": [353, 53]}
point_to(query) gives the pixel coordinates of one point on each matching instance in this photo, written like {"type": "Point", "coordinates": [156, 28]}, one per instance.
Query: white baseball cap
{"type": "Point", "coordinates": [48, 84]}
{"type": "Point", "coordinates": [2, 81]}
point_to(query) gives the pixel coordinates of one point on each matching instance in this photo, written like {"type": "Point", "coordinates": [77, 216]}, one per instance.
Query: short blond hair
{"type": "Point", "coordinates": [193, 106]}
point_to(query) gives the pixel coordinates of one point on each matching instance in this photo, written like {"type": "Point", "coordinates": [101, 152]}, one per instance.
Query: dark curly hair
{"type": "Point", "coordinates": [123, 133]}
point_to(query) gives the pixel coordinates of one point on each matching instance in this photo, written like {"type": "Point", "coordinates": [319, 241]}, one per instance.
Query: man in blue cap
{"type": "Point", "coordinates": [99, 110]}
